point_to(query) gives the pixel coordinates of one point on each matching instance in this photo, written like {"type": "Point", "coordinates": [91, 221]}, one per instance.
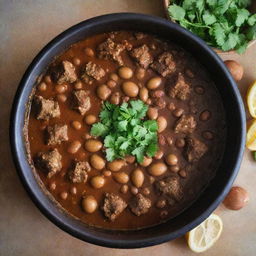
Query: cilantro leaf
{"type": "Point", "coordinates": [125, 132]}
{"type": "Point", "coordinates": [176, 12]}
{"type": "Point", "coordinates": [99, 129]}
{"type": "Point", "coordinates": [208, 18]}
{"type": "Point", "coordinates": [242, 16]}
{"type": "Point", "coordinates": [139, 153]}
{"type": "Point", "coordinates": [110, 154]}
{"type": "Point", "coordinates": [219, 22]}
{"type": "Point", "coordinates": [230, 42]}
{"type": "Point", "coordinates": [252, 20]}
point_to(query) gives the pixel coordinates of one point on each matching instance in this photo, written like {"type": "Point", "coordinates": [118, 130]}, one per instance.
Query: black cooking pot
{"type": "Point", "coordinates": [218, 187]}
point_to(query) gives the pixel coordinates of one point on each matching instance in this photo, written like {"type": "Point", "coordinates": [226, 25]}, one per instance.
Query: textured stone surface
{"type": "Point", "coordinates": [26, 26]}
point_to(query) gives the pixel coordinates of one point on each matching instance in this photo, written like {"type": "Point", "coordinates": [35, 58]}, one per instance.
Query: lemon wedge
{"type": "Point", "coordinates": [206, 234]}
{"type": "Point", "coordinates": [251, 99]}
{"type": "Point", "coordinates": [251, 136]}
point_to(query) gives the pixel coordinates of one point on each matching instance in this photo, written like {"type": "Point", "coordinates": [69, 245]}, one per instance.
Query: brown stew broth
{"type": "Point", "coordinates": [198, 173]}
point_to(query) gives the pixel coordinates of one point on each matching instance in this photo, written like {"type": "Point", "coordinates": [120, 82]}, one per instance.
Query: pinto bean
{"type": "Point", "coordinates": [74, 146]}
{"type": "Point", "coordinates": [130, 159]}
{"type": "Point", "coordinates": [134, 190]}
{"type": "Point", "coordinates": [76, 125]}
{"type": "Point", "coordinates": [42, 87]}
{"type": "Point", "coordinates": [130, 89]}
{"type": "Point", "coordinates": [157, 169]}
{"type": "Point", "coordinates": [111, 84]}
{"type": "Point", "coordinates": [115, 98]}
{"type": "Point", "coordinates": [154, 83]}
{"type": "Point", "coordinates": [152, 113]}
{"type": "Point", "coordinates": [89, 52]}
{"type": "Point", "coordinates": [89, 204]}
{"type": "Point", "coordinates": [140, 73]}
{"type": "Point", "coordinates": [146, 161]}
{"type": "Point", "coordinates": [92, 145]}
{"type": "Point", "coordinates": [205, 115]}
{"type": "Point", "coordinates": [159, 154]}
{"type": "Point", "coordinates": [76, 61]}
{"type": "Point", "coordinates": [116, 165]}
{"type": "Point", "coordinates": [60, 88]}
{"type": "Point", "coordinates": [137, 177]}
{"type": "Point", "coordinates": [114, 77]}
{"type": "Point", "coordinates": [124, 189]}
{"type": "Point", "coordinates": [143, 94]}
{"type": "Point", "coordinates": [90, 119]}
{"type": "Point", "coordinates": [107, 173]}
{"type": "Point", "coordinates": [61, 97]}
{"type": "Point", "coordinates": [121, 177]}
{"type": "Point", "coordinates": [103, 92]}
{"type": "Point", "coordinates": [174, 168]}
{"type": "Point", "coordinates": [97, 162]}
{"type": "Point", "coordinates": [125, 72]}
{"type": "Point", "coordinates": [64, 195]}
{"type": "Point", "coordinates": [171, 159]}
{"type": "Point", "coordinates": [178, 112]}
{"type": "Point", "coordinates": [162, 123]}
{"type": "Point", "coordinates": [97, 181]}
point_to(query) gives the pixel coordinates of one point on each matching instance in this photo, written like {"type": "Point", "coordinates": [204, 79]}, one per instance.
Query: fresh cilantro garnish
{"type": "Point", "coordinates": [224, 24]}
{"type": "Point", "coordinates": [125, 132]}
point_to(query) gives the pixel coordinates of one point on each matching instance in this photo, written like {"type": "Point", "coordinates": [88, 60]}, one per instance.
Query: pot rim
{"type": "Point", "coordinates": [28, 181]}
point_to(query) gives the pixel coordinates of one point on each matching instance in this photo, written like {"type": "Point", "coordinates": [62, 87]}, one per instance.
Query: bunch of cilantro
{"type": "Point", "coordinates": [224, 24]}
{"type": "Point", "coordinates": [125, 132]}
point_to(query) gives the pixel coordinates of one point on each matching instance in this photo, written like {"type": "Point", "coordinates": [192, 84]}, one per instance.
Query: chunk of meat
{"type": "Point", "coordinates": [79, 172]}
{"type": "Point", "coordinates": [142, 55]}
{"type": "Point", "coordinates": [170, 187]}
{"type": "Point", "coordinates": [113, 206]}
{"type": "Point", "coordinates": [164, 65]}
{"type": "Point", "coordinates": [56, 133]}
{"type": "Point", "coordinates": [81, 101]}
{"type": "Point", "coordinates": [194, 149]}
{"type": "Point", "coordinates": [49, 162]}
{"type": "Point", "coordinates": [92, 71]}
{"type": "Point", "coordinates": [109, 50]}
{"type": "Point", "coordinates": [185, 124]}
{"type": "Point", "coordinates": [159, 102]}
{"type": "Point", "coordinates": [64, 72]}
{"type": "Point", "coordinates": [181, 89]}
{"type": "Point", "coordinates": [139, 204]}
{"type": "Point", "coordinates": [46, 109]}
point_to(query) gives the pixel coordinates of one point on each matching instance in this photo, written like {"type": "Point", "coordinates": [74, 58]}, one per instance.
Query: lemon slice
{"type": "Point", "coordinates": [206, 234]}
{"type": "Point", "coordinates": [251, 136]}
{"type": "Point", "coordinates": [251, 99]}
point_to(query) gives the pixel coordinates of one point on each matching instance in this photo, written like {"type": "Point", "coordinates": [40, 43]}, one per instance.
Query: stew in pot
{"type": "Point", "coordinates": [125, 130]}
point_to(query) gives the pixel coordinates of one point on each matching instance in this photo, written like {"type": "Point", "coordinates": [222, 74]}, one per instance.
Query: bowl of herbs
{"type": "Point", "coordinates": [225, 25]}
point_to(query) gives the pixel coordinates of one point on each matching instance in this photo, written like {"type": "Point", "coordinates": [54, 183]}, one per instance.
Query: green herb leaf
{"type": "Point", "coordinates": [99, 129]}
{"type": "Point", "coordinates": [208, 18]}
{"type": "Point", "coordinates": [242, 16]}
{"type": "Point", "coordinates": [231, 42]}
{"type": "Point", "coordinates": [125, 132]}
{"type": "Point", "coordinates": [252, 20]}
{"type": "Point", "coordinates": [176, 12]}
{"type": "Point", "coordinates": [219, 22]}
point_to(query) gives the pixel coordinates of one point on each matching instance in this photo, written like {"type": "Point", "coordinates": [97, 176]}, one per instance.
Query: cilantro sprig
{"type": "Point", "coordinates": [224, 24]}
{"type": "Point", "coordinates": [125, 132]}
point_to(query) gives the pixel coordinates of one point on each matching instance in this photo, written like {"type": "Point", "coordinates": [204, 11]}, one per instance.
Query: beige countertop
{"type": "Point", "coordinates": [26, 26]}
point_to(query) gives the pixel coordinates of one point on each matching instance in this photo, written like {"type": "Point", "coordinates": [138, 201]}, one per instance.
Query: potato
{"type": "Point", "coordinates": [235, 69]}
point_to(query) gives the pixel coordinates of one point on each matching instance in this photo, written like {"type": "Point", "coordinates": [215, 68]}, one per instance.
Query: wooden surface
{"type": "Point", "coordinates": [26, 26]}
